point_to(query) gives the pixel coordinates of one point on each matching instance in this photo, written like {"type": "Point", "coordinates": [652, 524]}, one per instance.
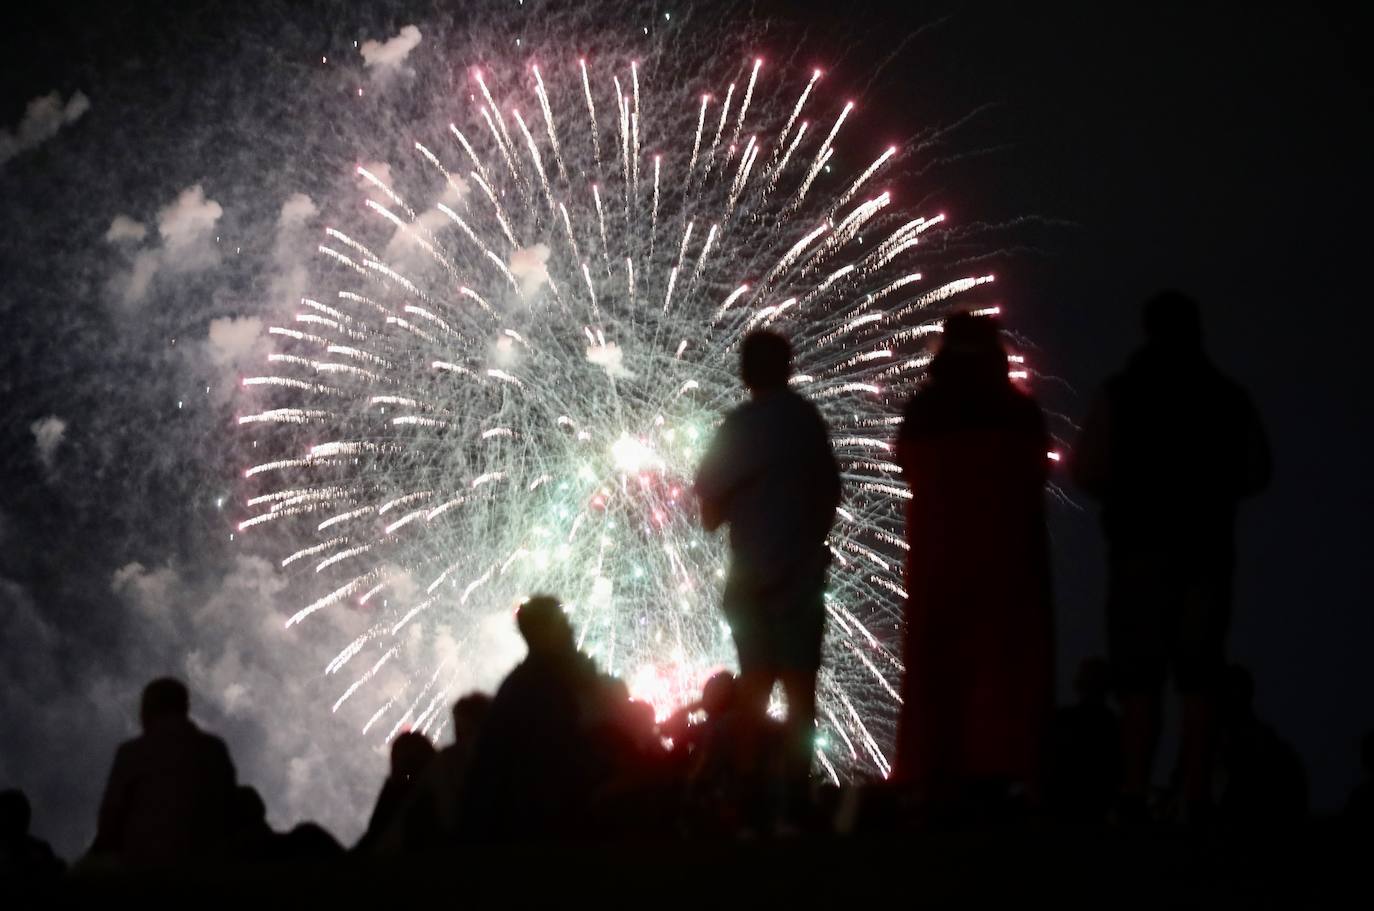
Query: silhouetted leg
{"type": "Point", "coordinates": [1201, 658]}
{"type": "Point", "coordinates": [754, 688]}
{"type": "Point", "coordinates": [1141, 596]}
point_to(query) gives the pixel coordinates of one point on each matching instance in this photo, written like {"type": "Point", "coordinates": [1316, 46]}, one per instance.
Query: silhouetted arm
{"type": "Point", "coordinates": [717, 476]}
{"type": "Point", "coordinates": [1090, 460]}
{"type": "Point", "coordinates": [829, 466]}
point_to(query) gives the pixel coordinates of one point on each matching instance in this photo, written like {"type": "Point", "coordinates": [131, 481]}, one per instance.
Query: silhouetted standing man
{"type": "Point", "coordinates": [1169, 448]}
{"type": "Point", "coordinates": [171, 791]}
{"type": "Point", "coordinates": [770, 473]}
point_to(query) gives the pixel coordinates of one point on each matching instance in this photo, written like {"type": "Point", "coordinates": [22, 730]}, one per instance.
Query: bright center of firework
{"type": "Point", "coordinates": [632, 455]}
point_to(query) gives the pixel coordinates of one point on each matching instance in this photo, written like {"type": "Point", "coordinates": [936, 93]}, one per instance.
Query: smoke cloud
{"type": "Point", "coordinates": [43, 119]}
{"type": "Point", "coordinates": [47, 436]}
{"type": "Point", "coordinates": [124, 229]}
{"type": "Point", "coordinates": [611, 358]}
{"type": "Point", "coordinates": [384, 57]}
{"type": "Point", "coordinates": [530, 266]}
{"type": "Point", "coordinates": [186, 228]}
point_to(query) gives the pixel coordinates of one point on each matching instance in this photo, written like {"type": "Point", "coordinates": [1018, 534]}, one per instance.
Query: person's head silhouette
{"type": "Point", "coordinates": [468, 715]}
{"type": "Point", "coordinates": [545, 627]}
{"type": "Point", "coordinates": [718, 695]}
{"type": "Point", "coordinates": [1173, 321]}
{"type": "Point", "coordinates": [971, 351]}
{"type": "Point", "coordinates": [164, 700]}
{"type": "Point", "coordinates": [765, 361]}
{"type": "Point", "coordinates": [410, 753]}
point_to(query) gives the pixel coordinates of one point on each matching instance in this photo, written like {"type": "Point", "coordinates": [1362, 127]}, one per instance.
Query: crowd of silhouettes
{"type": "Point", "coordinates": [562, 751]}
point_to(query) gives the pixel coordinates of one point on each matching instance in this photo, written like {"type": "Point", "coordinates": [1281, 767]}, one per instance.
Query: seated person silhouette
{"type": "Point", "coordinates": [534, 767]}
{"type": "Point", "coordinates": [23, 858]}
{"type": "Point", "coordinates": [1261, 778]}
{"type": "Point", "coordinates": [411, 755]}
{"type": "Point", "coordinates": [432, 818]}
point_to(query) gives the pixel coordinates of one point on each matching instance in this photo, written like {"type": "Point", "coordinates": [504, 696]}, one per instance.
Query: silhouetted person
{"type": "Point", "coordinates": [1261, 779]}
{"type": "Point", "coordinates": [771, 475]}
{"type": "Point", "coordinates": [533, 770]}
{"type": "Point", "coordinates": [1085, 749]}
{"type": "Point", "coordinates": [688, 726]}
{"type": "Point", "coordinates": [23, 858]}
{"type": "Point", "coordinates": [722, 774]}
{"type": "Point", "coordinates": [636, 794]}
{"type": "Point", "coordinates": [1359, 808]}
{"type": "Point", "coordinates": [1169, 448]}
{"type": "Point", "coordinates": [170, 794]}
{"type": "Point", "coordinates": [411, 755]}
{"type": "Point", "coordinates": [978, 691]}
{"type": "Point", "coordinates": [434, 814]}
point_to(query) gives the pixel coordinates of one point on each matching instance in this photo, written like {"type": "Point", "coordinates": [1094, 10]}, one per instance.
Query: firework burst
{"type": "Point", "coordinates": [508, 368]}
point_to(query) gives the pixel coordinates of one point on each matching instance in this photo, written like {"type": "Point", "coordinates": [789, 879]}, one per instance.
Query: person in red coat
{"type": "Point", "coordinates": [979, 652]}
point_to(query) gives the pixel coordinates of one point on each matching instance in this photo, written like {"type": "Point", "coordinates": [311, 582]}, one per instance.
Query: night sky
{"type": "Point", "coordinates": [1126, 151]}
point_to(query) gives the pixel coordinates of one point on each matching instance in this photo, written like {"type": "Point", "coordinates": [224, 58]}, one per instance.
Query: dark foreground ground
{"type": "Point", "coordinates": [1022, 864]}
